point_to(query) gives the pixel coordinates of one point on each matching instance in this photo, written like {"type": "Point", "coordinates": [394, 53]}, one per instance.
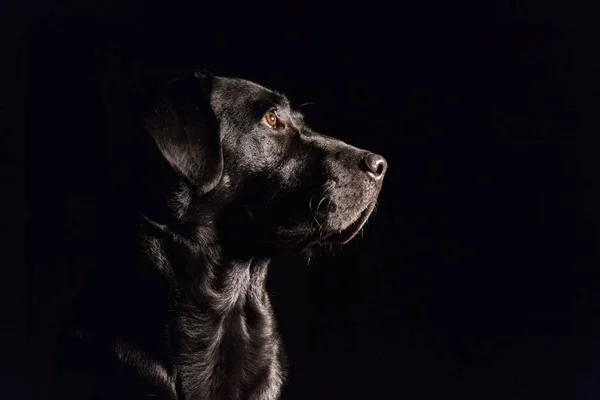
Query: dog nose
{"type": "Point", "coordinates": [374, 165]}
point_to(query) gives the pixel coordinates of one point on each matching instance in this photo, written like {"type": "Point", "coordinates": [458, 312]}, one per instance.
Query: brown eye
{"type": "Point", "coordinates": [271, 118]}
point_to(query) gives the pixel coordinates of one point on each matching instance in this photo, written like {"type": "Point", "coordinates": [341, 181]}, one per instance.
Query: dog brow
{"type": "Point", "coordinates": [279, 99]}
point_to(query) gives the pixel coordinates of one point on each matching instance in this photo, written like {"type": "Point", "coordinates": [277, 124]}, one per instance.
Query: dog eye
{"type": "Point", "coordinates": [271, 118]}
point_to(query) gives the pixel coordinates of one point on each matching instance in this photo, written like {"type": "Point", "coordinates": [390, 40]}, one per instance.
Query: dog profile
{"type": "Point", "coordinates": [182, 312]}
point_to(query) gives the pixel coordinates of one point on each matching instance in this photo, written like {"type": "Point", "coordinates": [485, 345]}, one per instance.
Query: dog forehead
{"type": "Point", "coordinates": [234, 90]}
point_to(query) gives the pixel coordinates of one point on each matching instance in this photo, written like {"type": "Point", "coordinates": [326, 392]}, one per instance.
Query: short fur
{"type": "Point", "coordinates": [181, 310]}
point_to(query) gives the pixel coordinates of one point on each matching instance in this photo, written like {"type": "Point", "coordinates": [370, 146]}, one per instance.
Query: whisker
{"type": "Point", "coordinates": [306, 104]}
{"type": "Point", "coordinates": [319, 205]}
{"type": "Point", "coordinates": [312, 213]}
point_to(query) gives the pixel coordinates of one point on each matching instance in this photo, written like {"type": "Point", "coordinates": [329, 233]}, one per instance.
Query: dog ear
{"type": "Point", "coordinates": [185, 129]}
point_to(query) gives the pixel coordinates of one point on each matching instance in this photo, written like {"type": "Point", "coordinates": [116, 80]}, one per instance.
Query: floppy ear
{"type": "Point", "coordinates": [186, 130]}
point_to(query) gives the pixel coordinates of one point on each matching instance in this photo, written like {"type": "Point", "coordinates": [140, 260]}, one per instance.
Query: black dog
{"type": "Point", "coordinates": [243, 177]}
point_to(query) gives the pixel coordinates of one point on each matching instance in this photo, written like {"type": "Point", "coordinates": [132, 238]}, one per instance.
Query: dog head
{"type": "Point", "coordinates": [242, 152]}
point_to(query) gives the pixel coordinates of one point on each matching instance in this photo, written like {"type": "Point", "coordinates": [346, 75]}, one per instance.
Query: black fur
{"type": "Point", "coordinates": [184, 314]}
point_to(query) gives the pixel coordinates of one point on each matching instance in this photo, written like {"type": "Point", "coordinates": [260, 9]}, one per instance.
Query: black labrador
{"type": "Point", "coordinates": [183, 312]}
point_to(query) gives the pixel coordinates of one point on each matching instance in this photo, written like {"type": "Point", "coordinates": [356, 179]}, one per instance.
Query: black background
{"type": "Point", "coordinates": [478, 276]}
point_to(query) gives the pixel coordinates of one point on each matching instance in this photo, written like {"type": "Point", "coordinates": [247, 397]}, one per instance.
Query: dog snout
{"type": "Point", "coordinates": [374, 165]}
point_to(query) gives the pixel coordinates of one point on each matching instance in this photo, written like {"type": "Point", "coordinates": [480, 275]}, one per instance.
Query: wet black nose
{"type": "Point", "coordinates": [374, 165]}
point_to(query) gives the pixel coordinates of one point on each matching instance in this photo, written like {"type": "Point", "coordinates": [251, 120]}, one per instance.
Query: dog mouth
{"type": "Point", "coordinates": [351, 231]}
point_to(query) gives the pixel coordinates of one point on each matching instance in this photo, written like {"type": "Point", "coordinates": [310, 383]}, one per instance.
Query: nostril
{"type": "Point", "coordinates": [375, 165]}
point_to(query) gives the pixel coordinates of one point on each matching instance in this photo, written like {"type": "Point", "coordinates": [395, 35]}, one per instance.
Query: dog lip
{"type": "Point", "coordinates": [348, 234]}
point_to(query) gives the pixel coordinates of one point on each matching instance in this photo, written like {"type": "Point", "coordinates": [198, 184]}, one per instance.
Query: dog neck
{"type": "Point", "coordinates": [224, 329]}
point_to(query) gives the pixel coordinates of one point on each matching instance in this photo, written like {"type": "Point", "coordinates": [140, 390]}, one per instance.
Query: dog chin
{"type": "Point", "coordinates": [351, 229]}
{"type": "Point", "coordinates": [340, 229]}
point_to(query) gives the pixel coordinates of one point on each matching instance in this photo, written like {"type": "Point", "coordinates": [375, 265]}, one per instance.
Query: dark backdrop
{"type": "Point", "coordinates": [478, 276]}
